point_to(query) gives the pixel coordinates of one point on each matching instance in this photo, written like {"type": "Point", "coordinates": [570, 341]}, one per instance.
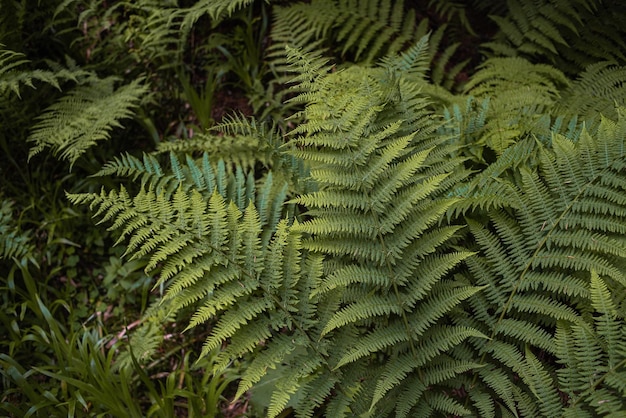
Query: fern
{"type": "Point", "coordinates": [592, 356]}
{"type": "Point", "coordinates": [552, 226]}
{"type": "Point", "coordinates": [14, 244]}
{"type": "Point", "coordinates": [394, 280]}
{"type": "Point", "coordinates": [14, 73]}
{"type": "Point", "coordinates": [217, 257]}
{"type": "Point", "coordinates": [375, 218]}
{"type": "Point", "coordinates": [561, 33]}
{"type": "Point", "coordinates": [84, 116]}
{"type": "Point", "coordinates": [368, 28]}
{"type": "Point", "coordinates": [596, 91]}
{"type": "Point", "coordinates": [215, 9]}
{"type": "Point", "coordinates": [519, 93]}
{"type": "Point", "coordinates": [262, 279]}
{"type": "Point", "coordinates": [364, 30]}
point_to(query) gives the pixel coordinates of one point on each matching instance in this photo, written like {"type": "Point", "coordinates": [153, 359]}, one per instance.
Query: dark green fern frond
{"type": "Point", "coordinates": [155, 30]}
{"type": "Point", "coordinates": [84, 116]}
{"type": "Point", "coordinates": [596, 91]}
{"type": "Point", "coordinates": [444, 70]}
{"type": "Point", "coordinates": [14, 244]}
{"type": "Point", "coordinates": [560, 221]}
{"type": "Point", "coordinates": [366, 29]}
{"type": "Point", "coordinates": [568, 34]}
{"type": "Point", "coordinates": [368, 26]}
{"type": "Point", "coordinates": [147, 338]}
{"type": "Point", "coordinates": [592, 356]}
{"type": "Point", "coordinates": [296, 26]}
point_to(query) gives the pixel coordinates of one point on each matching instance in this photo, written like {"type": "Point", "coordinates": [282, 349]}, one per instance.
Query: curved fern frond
{"type": "Point", "coordinates": [14, 73]}
{"type": "Point", "coordinates": [365, 29]}
{"type": "Point", "coordinates": [597, 91]}
{"type": "Point", "coordinates": [518, 93]}
{"type": "Point", "coordinates": [216, 10]}
{"type": "Point", "coordinates": [84, 116]}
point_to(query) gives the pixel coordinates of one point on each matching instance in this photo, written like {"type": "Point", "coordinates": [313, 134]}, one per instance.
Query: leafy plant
{"type": "Point", "coordinates": [399, 230]}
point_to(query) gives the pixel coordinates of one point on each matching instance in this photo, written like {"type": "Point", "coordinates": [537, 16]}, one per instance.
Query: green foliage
{"type": "Point", "coordinates": [592, 353]}
{"type": "Point", "coordinates": [84, 116]}
{"type": "Point", "coordinates": [545, 229]}
{"type": "Point", "coordinates": [14, 245]}
{"type": "Point", "coordinates": [385, 226]}
{"type": "Point", "coordinates": [568, 34]}
{"type": "Point", "coordinates": [220, 263]}
{"type": "Point", "coordinates": [13, 76]}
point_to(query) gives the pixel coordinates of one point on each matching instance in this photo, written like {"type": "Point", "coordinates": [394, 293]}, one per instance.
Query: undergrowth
{"type": "Point", "coordinates": [327, 208]}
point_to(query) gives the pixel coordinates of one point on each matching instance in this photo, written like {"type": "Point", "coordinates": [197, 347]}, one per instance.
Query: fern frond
{"type": "Point", "coordinates": [246, 271]}
{"type": "Point", "coordinates": [14, 244]}
{"type": "Point", "coordinates": [413, 62]}
{"type": "Point", "coordinates": [381, 179]}
{"type": "Point", "coordinates": [243, 151]}
{"type": "Point", "coordinates": [561, 33]}
{"type": "Point", "coordinates": [216, 10]}
{"type": "Point", "coordinates": [593, 366]}
{"type": "Point", "coordinates": [518, 91]}
{"type": "Point", "coordinates": [84, 116]}
{"type": "Point", "coordinates": [596, 91]}
{"type": "Point", "coordinates": [14, 73]}
{"type": "Point", "coordinates": [536, 242]}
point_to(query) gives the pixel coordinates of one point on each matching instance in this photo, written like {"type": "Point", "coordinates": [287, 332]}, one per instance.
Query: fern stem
{"type": "Point", "coordinates": [597, 383]}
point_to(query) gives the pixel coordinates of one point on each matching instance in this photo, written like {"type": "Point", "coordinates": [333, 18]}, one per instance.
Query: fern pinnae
{"type": "Point", "coordinates": [84, 116]}
{"type": "Point", "coordinates": [375, 305]}
{"type": "Point", "coordinates": [529, 333]}
{"type": "Point", "coordinates": [430, 270]}
{"type": "Point", "coordinates": [439, 340]}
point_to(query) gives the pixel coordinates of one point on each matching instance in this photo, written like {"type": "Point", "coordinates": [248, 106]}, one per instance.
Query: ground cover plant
{"type": "Point", "coordinates": [326, 208]}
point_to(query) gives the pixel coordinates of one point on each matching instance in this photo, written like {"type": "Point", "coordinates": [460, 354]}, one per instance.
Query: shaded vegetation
{"type": "Point", "coordinates": [324, 208]}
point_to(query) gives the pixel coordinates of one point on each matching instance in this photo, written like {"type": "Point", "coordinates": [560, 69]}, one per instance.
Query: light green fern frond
{"type": "Point", "coordinates": [243, 268]}
{"type": "Point", "coordinates": [216, 10]}
{"type": "Point", "coordinates": [242, 151]}
{"type": "Point", "coordinates": [374, 156]}
{"type": "Point", "coordinates": [84, 116]}
{"type": "Point", "coordinates": [14, 73]}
